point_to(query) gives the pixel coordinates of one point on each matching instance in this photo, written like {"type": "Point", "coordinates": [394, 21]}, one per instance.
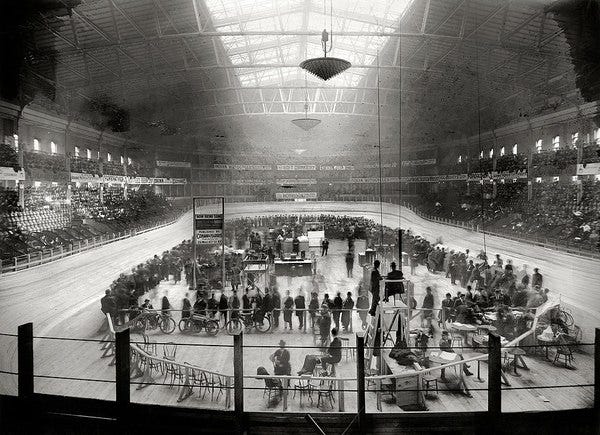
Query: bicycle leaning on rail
{"type": "Point", "coordinates": [150, 321]}
{"type": "Point", "coordinates": [197, 323]}
{"type": "Point", "coordinates": [247, 321]}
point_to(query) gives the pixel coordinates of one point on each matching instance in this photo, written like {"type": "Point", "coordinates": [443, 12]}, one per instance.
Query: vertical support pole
{"type": "Point", "coordinates": [25, 360]}
{"type": "Point", "coordinates": [597, 373]}
{"type": "Point", "coordinates": [360, 380]}
{"type": "Point", "coordinates": [494, 379]}
{"type": "Point", "coordinates": [238, 378]}
{"type": "Point", "coordinates": [341, 404]}
{"type": "Point", "coordinates": [122, 366]}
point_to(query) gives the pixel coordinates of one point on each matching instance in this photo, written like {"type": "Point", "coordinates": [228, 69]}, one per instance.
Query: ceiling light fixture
{"type": "Point", "coordinates": [326, 67]}
{"type": "Point", "coordinates": [306, 123]}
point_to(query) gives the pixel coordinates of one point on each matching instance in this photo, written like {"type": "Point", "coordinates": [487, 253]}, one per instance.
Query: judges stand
{"type": "Point", "coordinates": [394, 323]}
{"type": "Point", "coordinates": [256, 271]}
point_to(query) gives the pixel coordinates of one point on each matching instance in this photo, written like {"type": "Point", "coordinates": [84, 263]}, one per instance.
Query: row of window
{"type": "Point", "coordinates": [538, 145]}
{"type": "Point", "coordinates": [54, 150]}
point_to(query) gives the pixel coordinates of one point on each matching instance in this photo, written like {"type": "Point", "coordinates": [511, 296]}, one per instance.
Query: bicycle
{"type": "Point", "coordinates": [248, 321]}
{"type": "Point", "coordinates": [197, 323]}
{"type": "Point", "coordinates": [151, 321]}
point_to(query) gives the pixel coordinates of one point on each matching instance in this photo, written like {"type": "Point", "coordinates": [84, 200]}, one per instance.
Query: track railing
{"type": "Point", "coordinates": [539, 241]}
{"type": "Point", "coordinates": [44, 256]}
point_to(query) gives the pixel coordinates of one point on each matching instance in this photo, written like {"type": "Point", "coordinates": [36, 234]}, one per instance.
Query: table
{"type": "Point", "coordinates": [408, 388]}
{"type": "Point", "coordinates": [517, 357]}
{"type": "Point", "coordinates": [463, 329]}
{"type": "Point", "coordinates": [442, 357]}
{"type": "Point", "coordinates": [547, 343]}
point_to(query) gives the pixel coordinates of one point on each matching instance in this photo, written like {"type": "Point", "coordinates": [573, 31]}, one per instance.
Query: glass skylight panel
{"type": "Point", "coordinates": [289, 16]}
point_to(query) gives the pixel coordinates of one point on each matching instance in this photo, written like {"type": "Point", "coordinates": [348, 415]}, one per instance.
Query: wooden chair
{"type": "Point", "coordinates": [272, 387]}
{"type": "Point", "coordinates": [564, 350]}
{"type": "Point", "coordinates": [427, 382]}
{"type": "Point", "coordinates": [347, 349]}
{"type": "Point", "coordinates": [325, 392]}
{"type": "Point", "coordinates": [198, 379]}
{"type": "Point", "coordinates": [170, 351]}
{"type": "Point", "coordinates": [304, 387]}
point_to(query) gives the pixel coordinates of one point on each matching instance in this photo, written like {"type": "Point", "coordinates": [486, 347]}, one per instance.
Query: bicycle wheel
{"type": "Point", "coordinates": [196, 326]}
{"type": "Point", "coordinates": [212, 327]}
{"type": "Point", "coordinates": [234, 326]}
{"type": "Point", "coordinates": [166, 324]}
{"type": "Point", "coordinates": [184, 324]}
{"type": "Point", "coordinates": [265, 326]}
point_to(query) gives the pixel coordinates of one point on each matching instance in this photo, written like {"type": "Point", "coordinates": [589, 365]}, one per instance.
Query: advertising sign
{"type": "Point", "coordinates": [168, 164]}
{"type": "Point", "coordinates": [209, 220]}
{"type": "Point", "coordinates": [10, 174]}
{"type": "Point", "coordinates": [588, 169]}
{"type": "Point", "coordinates": [296, 195]}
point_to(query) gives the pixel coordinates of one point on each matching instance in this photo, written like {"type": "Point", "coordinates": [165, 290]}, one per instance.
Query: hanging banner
{"type": "Point", "coordinates": [588, 169]}
{"type": "Point", "coordinates": [239, 182]}
{"type": "Point", "coordinates": [209, 218]}
{"type": "Point", "coordinates": [495, 175]}
{"type": "Point", "coordinates": [168, 164]}
{"type": "Point", "coordinates": [293, 181]}
{"type": "Point", "coordinates": [336, 168]}
{"type": "Point", "coordinates": [296, 195]}
{"type": "Point", "coordinates": [373, 180]}
{"type": "Point", "coordinates": [422, 162]}
{"type": "Point", "coordinates": [434, 178]}
{"type": "Point", "coordinates": [78, 177]}
{"type": "Point", "coordinates": [9, 174]}
{"type": "Point", "coordinates": [376, 165]}
{"type": "Point", "coordinates": [296, 167]}
{"type": "Point", "coordinates": [242, 167]}
{"type": "Point", "coordinates": [114, 179]}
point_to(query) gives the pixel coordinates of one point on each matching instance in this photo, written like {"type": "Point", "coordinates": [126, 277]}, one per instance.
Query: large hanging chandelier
{"type": "Point", "coordinates": [306, 123]}
{"type": "Point", "coordinates": [326, 67]}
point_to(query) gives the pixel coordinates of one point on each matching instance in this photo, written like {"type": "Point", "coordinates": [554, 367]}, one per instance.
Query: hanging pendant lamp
{"type": "Point", "coordinates": [306, 123]}
{"type": "Point", "coordinates": [326, 67]}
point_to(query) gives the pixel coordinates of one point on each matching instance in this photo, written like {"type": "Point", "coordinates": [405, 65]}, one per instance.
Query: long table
{"type": "Point", "coordinates": [408, 388]}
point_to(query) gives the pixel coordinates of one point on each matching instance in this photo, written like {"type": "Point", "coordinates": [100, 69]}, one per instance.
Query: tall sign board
{"type": "Point", "coordinates": [209, 226]}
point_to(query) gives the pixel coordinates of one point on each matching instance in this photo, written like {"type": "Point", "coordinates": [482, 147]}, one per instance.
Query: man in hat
{"type": "Point", "coordinates": [281, 360]}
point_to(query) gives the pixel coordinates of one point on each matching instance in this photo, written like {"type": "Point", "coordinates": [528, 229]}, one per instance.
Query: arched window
{"type": "Point", "coordinates": [36, 145]}
{"type": "Point", "coordinates": [515, 150]}
{"type": "Point", "coordinates": [502, 151]}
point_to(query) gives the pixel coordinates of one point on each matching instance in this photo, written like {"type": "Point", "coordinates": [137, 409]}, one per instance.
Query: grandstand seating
{"type": "Point", "coordinates": [50, 162]}
{"type": "Point", "coordinates": [86, 166]}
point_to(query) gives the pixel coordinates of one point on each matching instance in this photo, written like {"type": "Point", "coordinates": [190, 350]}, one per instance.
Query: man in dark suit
{"type": "Point", "coordinates": [394, 288]}
{"type": "Point", "coordinates": [334, 352]}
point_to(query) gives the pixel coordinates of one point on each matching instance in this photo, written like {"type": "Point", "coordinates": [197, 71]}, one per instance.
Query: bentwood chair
{"type": "Point", "coordinates": [325, 392]}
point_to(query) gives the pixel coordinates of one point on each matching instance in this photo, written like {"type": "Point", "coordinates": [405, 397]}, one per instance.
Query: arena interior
{"type": "Point", "coordinates": [300, 216]}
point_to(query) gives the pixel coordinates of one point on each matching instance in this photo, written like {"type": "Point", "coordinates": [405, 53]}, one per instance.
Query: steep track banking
{"type": "Point", "coordinates": [62, 298]}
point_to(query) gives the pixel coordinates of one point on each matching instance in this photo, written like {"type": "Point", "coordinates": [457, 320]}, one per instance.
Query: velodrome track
{"type": "Point", "coordinates": [62, 298]}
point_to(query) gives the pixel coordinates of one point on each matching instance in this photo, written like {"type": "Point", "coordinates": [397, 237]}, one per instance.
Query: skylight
{"type": "Point", "coordinates": [291, 16]}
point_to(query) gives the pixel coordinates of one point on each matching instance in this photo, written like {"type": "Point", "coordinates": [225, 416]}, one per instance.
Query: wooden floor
{"type": "Point", "coordinates": [62, 299]}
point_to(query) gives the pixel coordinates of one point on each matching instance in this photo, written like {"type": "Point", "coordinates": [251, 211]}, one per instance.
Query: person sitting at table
{"type": "Point", "coordinates": [332, 356]}
{"type": "Point", "coordinates": [465, 314]}
{"type": "Point", "coordinates": [446, 345]}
